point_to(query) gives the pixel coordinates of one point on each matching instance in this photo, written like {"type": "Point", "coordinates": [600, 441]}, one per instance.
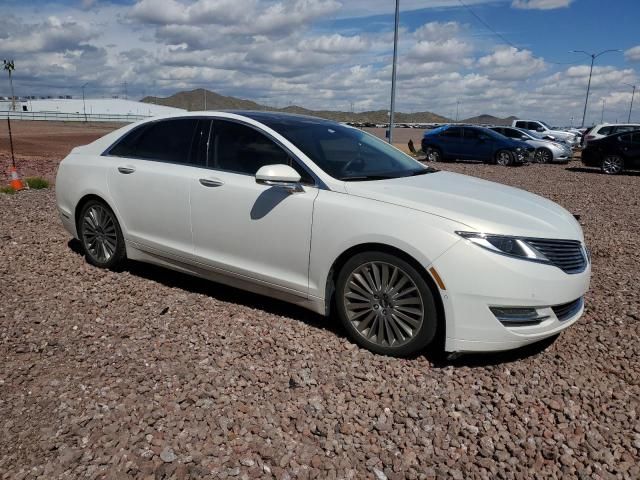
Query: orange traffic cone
{"type": "Point", "coordinates": [15, 183]}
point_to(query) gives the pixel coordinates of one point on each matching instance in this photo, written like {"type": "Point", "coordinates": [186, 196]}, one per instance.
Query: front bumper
{"type": "Point", "coordinates": [476, 279]}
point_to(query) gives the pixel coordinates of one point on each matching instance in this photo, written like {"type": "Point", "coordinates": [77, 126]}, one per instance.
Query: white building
{"type": "Point", "coordinates": [92, 107]}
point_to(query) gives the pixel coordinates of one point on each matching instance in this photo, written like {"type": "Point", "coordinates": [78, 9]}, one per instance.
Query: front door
{"type": "Point", "coordinates": [246, 229]}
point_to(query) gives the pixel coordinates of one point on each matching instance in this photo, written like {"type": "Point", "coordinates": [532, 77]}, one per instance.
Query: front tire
{"type": "Point", "coordinates": [101, 235]}
{"type": "Point", "coordinates": [612, 164]}
{"type": "Point", "coordinates": [504, 158]}
{"type": "Point", "coordinates": [433, 154]}
{"type": "Point", "coordinates": [385, 304]}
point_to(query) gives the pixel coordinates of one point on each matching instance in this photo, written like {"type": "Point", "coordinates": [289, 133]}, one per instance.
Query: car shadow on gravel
{"type": "Point", "coordinates": [481, 360]}
{"type": "Point", "coordinates": [224, 293]}
{"type": "Point", "coordinates": [596, 170]}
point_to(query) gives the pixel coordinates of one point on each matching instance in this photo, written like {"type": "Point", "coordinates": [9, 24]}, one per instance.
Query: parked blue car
{"type": "Point", "coordinates": [461, 142]}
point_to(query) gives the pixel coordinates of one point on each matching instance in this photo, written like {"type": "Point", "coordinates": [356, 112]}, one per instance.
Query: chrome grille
{"type": "Point", "coordinates": [568, 310]}
{"type": "Point", "coordinates": [567, 255]}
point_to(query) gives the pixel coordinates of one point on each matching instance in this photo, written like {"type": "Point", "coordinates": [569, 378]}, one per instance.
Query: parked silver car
{"type": "Point", "coordinates": [547, 151]}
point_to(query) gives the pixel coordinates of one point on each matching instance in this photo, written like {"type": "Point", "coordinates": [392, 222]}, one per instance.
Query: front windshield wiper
{"type": "Point", "coordinates": [423, 172]}
{"type": "Point", "coordinates": [359, 178]}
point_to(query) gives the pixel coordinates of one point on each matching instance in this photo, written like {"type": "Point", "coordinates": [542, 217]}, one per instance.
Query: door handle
{"type": "Point", "coordinates": [126, 170]}
{"type": "Point", "coordinates": [211, 182]}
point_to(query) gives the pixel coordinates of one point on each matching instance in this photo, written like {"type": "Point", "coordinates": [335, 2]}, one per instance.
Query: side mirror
{"type": "Point", "coordinates": [539, 129]}
{"type": "Point", "coordinates": [280, 175]}
{"type": "Point", "coordinates": [524, 137]}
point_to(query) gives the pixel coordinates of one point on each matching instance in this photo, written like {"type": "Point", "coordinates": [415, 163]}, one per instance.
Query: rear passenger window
{"type": "Point", "coordinates": [623, 128]}
{"type": "Point", "coordinates": [165, 140]}
{"type": "Point", "coordinates": [452, 132]}
{"type": "Point", "coordinates": [241, 149]}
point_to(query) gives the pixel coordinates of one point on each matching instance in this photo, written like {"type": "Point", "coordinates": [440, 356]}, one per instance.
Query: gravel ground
{"type": "Point", "coordinates": [147, 373]}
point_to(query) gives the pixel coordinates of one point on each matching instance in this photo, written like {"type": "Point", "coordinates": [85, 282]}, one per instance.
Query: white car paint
{"type": "Point", "coordinates": [605, 129]}
{"type": "Point", "coordinates": [286, 248]}
{"type": "Point", "coordinates": [539, 127]}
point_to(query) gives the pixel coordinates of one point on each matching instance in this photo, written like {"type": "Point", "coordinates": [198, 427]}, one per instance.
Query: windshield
{"type": "Point", "coordinates": [545, 124]}
{"type": "Point", "coordinates": [346, 153]}
{"type": "Point", "coordinates": [493, 133]}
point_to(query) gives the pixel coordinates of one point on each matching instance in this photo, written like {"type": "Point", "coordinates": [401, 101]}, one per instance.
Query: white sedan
{"type": "Point", "coordinates": [331, 218]}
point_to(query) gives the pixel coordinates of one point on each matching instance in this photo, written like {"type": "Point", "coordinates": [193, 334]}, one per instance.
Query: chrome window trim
{"type": "Point", "coordinates": [318, 183]}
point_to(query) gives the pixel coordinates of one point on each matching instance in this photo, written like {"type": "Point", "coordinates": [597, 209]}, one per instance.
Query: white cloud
{"type": "Point", "coordinates": [451, 50]}
{"type": "Point", "coordinates": [541, 4]}
{"type": "Point", "coordinates": [437, 31]}
{"type": "Point", "coordinates": [336, 43]}
{"type": "Point", "coordinates": [509, 63]}
{"type": "Point", "coordinates": [53, 34]}
{"type": "Point", "coordinates": [633, 54]}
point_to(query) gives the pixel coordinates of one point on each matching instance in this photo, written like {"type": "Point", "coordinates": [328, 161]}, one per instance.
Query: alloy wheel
{"type": "Point", "coordinates": [433, 155]}
{"type": "Point", "coordinates": [99, 233]}
{"type": "Point", "coordinates": [383, 304]}
{"type": "Point", "coordinates": [504, 158]}
{"type": "Point", "coordinates": [612, 164]}
{"type": "Point", "coordinates": [543, 156]}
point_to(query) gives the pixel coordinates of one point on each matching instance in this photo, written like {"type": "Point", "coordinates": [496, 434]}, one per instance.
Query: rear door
{"type": "Point", "coordinates": [149, 182]}
{"type": "Point", "coordinates": [630, 144]}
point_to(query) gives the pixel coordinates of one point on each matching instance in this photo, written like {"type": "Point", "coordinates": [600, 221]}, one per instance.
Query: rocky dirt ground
{"type": "Point", "coordinates": [148, 374]}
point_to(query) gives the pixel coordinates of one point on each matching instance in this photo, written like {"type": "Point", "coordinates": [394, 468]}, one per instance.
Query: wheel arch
{"type": "Point", "coordinates": [83, 201]}
{"type": "Point", "coordinates": [340, 261]}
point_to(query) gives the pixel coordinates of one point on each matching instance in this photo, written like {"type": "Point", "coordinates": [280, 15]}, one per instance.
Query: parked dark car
{"type": "Point", "coordinates": [615, 153]}
{"type": "Point", "coordinates": [455, 142]}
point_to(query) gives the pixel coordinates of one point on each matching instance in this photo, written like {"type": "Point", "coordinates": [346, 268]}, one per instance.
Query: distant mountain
{"type": "Point", "coordinates": [489, 120]}
{"type": "Point", "coordinates": [195, 100]}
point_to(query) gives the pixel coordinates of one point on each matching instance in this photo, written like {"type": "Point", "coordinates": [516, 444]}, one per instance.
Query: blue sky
{"type": "Point", "coordinates": [514, 59]}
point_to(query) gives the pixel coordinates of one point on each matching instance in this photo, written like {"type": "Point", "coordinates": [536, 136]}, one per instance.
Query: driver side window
{"type": "Point", "coordinates": [238, 148]}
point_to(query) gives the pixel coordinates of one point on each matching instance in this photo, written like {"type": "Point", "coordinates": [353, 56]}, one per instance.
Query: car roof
{"type": "Point", "coordinates": [270, 117]}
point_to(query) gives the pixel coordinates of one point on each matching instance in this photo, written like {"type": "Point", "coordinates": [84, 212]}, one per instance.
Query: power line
{"type": "Point", "coordinates": [502, 37]}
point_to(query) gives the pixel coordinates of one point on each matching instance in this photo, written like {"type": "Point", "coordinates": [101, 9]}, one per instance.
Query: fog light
{"type": "Point", "coordinates": [518, 316]}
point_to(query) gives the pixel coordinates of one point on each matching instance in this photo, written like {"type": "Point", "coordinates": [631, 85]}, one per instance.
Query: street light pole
{"type": "Point", "coordinates": [633, 94]}
{"type": "Point", "coordinates": [602, 114]}
{"type": "Point", "coordinates": [10, 66]}
{"type": "Point", "coordinates": [593, 58]}
{"type": "Point", "coordinates": [393, 74]}
{"type": "Point", "coordinates": [84, 106]}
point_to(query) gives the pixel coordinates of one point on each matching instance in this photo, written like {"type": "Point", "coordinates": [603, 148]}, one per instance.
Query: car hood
{"type": "Point", "coordinates": [479, 205]}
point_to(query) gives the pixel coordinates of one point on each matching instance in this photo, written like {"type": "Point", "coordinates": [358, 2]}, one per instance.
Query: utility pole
{"type": "Point", "coordinates": [602, 114]}
{"type": "Point", "coordinates": [457, 108]}
{"type": "Point", "coordinates": [633, 94]}
{"type": "Point", "coordinates": [125, 89]}
{"type": "Point", "coordinates": [393, 74]}
{"type": "Point", "coordinates": [84, 105]}
{"type": "Point", "coordinates": [204, 94]}
{"type": "Point", "coordinates": [593, 58]}
{"type": "Point", "coordinates": [10, 66]}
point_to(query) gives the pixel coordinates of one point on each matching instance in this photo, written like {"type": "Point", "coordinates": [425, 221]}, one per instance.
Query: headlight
{"type": "Point", "coordinates": [505, 245]}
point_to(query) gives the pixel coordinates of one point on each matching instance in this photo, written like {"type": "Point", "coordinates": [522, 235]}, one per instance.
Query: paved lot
{"type": "Point", "coordinates": [147, 373]}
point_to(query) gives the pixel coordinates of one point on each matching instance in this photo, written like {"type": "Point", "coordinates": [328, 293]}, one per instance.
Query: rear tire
{"type": "Point", "coordinates": [612, 164]}
{"type": "Point", "coordinates": [100, 235]}
{"type": "Point", "coordinates": [385, 304]}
